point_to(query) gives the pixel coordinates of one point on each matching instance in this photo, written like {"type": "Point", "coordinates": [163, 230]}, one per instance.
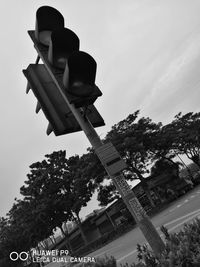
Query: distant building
{"type": "Point", "coordinates": [105, 220]}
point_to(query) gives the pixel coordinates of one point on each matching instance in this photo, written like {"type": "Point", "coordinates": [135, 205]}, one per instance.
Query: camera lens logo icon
{"type": "Point", "coordinates": [23, 256]}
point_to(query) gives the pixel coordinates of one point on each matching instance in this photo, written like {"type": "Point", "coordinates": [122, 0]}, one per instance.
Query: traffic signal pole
{"type": "Point", "coordinates": [108, 151]}
{"type": "Point", "coordinates": [46, 80]}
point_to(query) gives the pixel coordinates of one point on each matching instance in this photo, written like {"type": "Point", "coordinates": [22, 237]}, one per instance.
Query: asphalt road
{"type": "Point", "coordinates": [181, 211]}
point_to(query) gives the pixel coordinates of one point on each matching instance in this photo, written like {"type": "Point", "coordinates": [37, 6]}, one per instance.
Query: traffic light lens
{"type": "Point", "coordinates": [60, 61]}
{"type": "Point", "coordinates": [45, 37]}
{"type": "Point", "coordinates": [82, 67]}
{"type": "Point", "coordinates": [77, 83]}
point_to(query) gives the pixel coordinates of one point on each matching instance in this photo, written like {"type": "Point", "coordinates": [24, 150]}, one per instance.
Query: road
{"type": "Point", "coordinates": [181, 211]}
{"type": "Point", "coordinates": [173, 217]}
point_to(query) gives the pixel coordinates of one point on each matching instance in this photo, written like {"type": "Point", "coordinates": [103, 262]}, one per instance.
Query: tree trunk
{"type": "Point", "coordinates": [31, 256]}
{"type": "Point", "coordinates": [176, 166]}
{"type": "Point", "coordinates": [63, 232]}
{"type": "Point", "coordinates": [145, 187]}
{"type": "Point", "coordinates": [147, 191]}
{"type": "Point", "coordinates": [52, 240]}
{"type": "Point", "coordinates": [196, 160]}
{"type": "Point", "coordinates": [81, 229]}
{"type": "Point", "coordinates": [67, 239]}
{"type": "Point", "coordinates": [187, 168]}
{"type": "Point", "coordinates": [44, 245]}
{"type": "Point", "coordinates": [110, 219]}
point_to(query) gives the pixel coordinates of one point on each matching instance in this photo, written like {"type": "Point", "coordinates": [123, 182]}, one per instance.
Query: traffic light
{"type": "Point", "coordinates": [67, 76]}
{"type": "Point", "coordinates": [60, 117]}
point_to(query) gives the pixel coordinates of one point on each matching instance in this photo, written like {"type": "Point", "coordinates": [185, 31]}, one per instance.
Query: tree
{"type": "Point", "coordinates": [186, 137]}
{"type": "Point", "coordinates": [5, 245]}
{"type": "Point", "coordinates": [163, 165]}
{"type": "Point", "coordinates": [43, 190]}
{"type": "Point", "coordinates": [161, 144]}
{"type": "Point", "coordinates": [59, 189]}
{"type": "Point", "coordinates": [132, 137]}
{"type": "Point", "coordinates": [80, 187]}
{"type": "Point", "coordinates": [107, 194]}
{"type": "Point", "coordinates": [18, 232]}
{"type": "Point", "coordinates": [165, 143]}
{"type": "Point", "coordinates": [30, 227]}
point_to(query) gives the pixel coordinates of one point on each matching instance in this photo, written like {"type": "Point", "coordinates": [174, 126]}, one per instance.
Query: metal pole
{"type": "Point", "coordinates": [128, 196]}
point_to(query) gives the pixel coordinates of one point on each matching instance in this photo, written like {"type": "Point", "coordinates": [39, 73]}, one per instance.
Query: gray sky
{"type": "Point", "coordinates": [148, 58]}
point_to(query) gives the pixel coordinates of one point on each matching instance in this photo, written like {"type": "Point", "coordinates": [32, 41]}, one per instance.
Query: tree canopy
{"type": "Point", "coordinates": [187, 135]}
{"type": "Point", "coordinates": [133, 139]}
{"type": "Point", "coordinates": [57, 187]}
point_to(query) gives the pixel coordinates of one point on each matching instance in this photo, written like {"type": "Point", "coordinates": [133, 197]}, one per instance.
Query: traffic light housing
{"type": "Point", "coordinates": [48, 19]}
{"type": "Point", "coordinates": [79, 79]}
{"type": "Point", "coordinates": [62, 43]}
{"type": "Point", "coordinates": [61, 119]}
{"type": "Point", "coordinates": [77, 64]}
{"type": "Point", "coordinates": [70, 74]}
{"type": "Point", "coordinates": [62, 47]}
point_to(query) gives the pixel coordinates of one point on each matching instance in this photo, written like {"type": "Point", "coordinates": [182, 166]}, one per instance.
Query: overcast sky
{"type": "Point", "coordinates": [148, 58]}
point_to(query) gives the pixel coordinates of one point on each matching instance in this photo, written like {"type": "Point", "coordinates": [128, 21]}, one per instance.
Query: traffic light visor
{"type": "Point", "coordinates": [79, 79]}
{"type": "Point", "coordinates": [48, 19]}
{"type": "Point", "coordinates": [80, 72]}
{"type": "Point", "coordinates": [62, 43]}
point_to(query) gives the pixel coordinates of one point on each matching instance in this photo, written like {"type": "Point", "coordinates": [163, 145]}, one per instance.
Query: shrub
{"type": "Point", "coordinates": [182, 248]}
